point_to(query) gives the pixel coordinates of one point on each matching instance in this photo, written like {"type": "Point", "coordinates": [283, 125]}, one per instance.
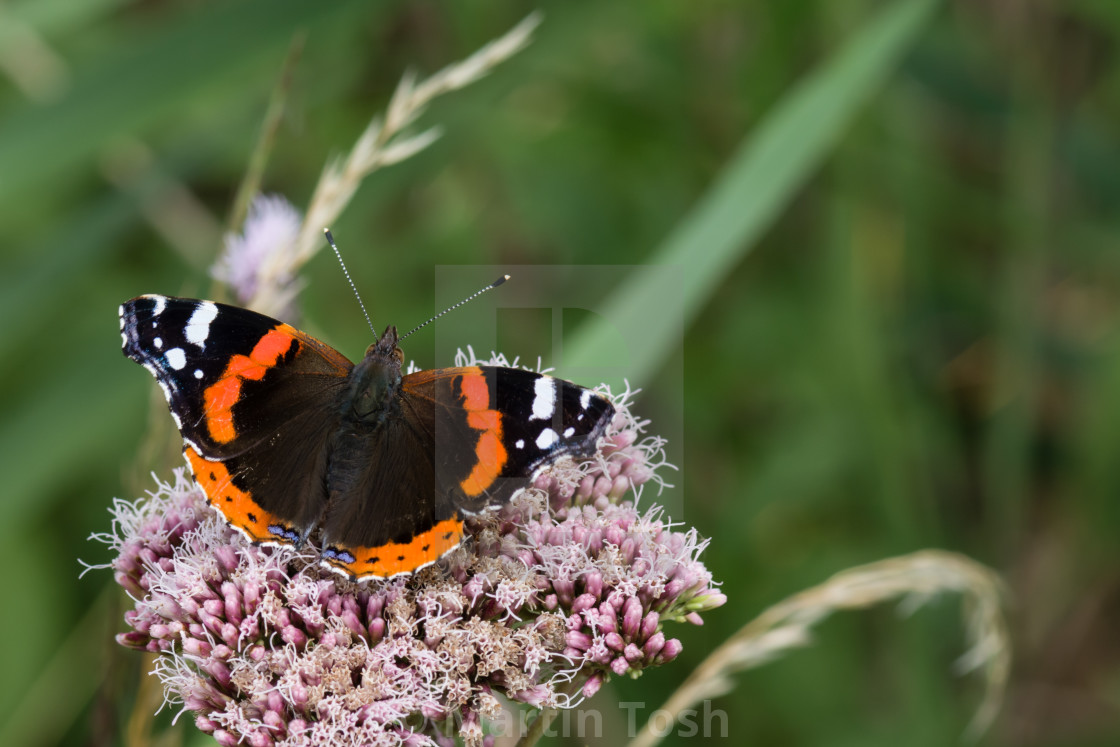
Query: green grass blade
{"type": "Point", "coordinates": [54, 699]}
{"type": "Point", "coordinates": [757, 183]}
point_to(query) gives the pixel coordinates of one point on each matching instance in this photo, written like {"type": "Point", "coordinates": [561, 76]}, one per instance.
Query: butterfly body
{"type": "Point", "coordinates": [288, 437]}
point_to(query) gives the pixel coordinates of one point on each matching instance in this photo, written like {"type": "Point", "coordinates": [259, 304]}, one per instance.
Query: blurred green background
{"type": "Point", "coordinates": [898, 231]}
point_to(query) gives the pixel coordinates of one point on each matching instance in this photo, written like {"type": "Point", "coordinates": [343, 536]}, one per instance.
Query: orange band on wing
{"type": "Point", "coordinates": [475, 389]}
{"type": "Point", "coordinates": [490, 453]}
{"type": "Point", "coordinates": [395, 558]}
{"type": "Point", "coordinates": [239, 508]}
{"type": "Point", "coordinates": [220, 397]}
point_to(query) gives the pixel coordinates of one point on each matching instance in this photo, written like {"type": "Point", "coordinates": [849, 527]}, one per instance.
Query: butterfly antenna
{"type": "Point", "coordinates": [471, 297]}
{"type": "Point", "coordinates": [330, 240]}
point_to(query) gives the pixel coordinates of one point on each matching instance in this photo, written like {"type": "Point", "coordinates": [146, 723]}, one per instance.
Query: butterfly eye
{"type": "Point", "coordinates": [399, 355]}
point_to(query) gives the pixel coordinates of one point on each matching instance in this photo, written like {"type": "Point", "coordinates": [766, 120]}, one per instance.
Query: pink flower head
{"type": "Point", "coordinates": [268, 239]}
{"type": "Point", "coordinates": [547, 598]}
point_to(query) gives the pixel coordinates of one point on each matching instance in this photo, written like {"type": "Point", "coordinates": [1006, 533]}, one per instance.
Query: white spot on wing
{"type": "Point", "coordinates": [198, 373]}
{"type": "Point", "coordinates": [568, 433]}
{"type": "Point", "coordinates": [198, 328]}
{"type": "Point", "coordinates": [585, 399]}
{"type": "Point", "coordinates": [520, 443]}
{"type": "Point", "coordinates": [176, 358]}
{"type": "Point", "coordinates": [547, 438]}
{"type": "Point", "coordinates": [158, 342]}
{"type": "Point", "coordinates": [161, 304]}
{"type": "Point", "coordinates": [544, 403]}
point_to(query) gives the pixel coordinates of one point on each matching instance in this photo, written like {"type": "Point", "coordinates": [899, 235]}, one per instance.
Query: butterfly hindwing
{"type": "Point", "coordinates": [387, 514]}
{"type": "Point", "coordinates": [471, 436]}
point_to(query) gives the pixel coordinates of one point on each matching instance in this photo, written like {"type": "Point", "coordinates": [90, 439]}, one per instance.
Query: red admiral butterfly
{"type": "Point", "coordinates": [286, 436]}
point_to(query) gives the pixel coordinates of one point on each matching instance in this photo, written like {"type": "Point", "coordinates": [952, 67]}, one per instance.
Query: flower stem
{"type": "Point", "coordinates": [536, 730]}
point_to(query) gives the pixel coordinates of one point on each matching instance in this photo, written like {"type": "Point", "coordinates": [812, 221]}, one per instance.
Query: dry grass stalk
{"type": "Point", "coordinates": [916, 578]}
{"type": "Point", "coordinates": [26, 58]}
{"type": "Point", "coordinates": [381, 144]}
{"type": "Point", "coordinates": [251, 184]}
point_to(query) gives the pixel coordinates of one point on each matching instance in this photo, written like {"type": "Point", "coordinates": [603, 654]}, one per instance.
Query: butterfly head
{"type": "Point", "coordinates": [377, 378]}
{"type": "Point", "coordinates": [386, 346]}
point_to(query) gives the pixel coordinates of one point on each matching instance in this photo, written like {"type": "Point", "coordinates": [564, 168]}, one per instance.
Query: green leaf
{"type": "Point", "coordinates": [758, 182]}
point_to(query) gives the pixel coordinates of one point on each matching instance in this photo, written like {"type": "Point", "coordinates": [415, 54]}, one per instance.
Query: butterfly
{"type": "Point", "coordinates": [288, 437]}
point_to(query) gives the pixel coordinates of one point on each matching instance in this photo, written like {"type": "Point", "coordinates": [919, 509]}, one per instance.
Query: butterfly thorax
{"type": "Point", "coordinates": [375, 381]}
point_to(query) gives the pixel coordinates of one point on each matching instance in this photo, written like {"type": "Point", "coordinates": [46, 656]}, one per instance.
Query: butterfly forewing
{"type": "Point", "coordinates": [494, 427]}
{"type": "Point", "coordinates": [254, 399]}
{"type": "Point", "coordinates": [228, 374]}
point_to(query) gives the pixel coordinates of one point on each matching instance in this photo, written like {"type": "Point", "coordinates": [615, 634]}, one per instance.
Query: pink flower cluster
{"type": "Point", "coordinates": [547, 599]}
